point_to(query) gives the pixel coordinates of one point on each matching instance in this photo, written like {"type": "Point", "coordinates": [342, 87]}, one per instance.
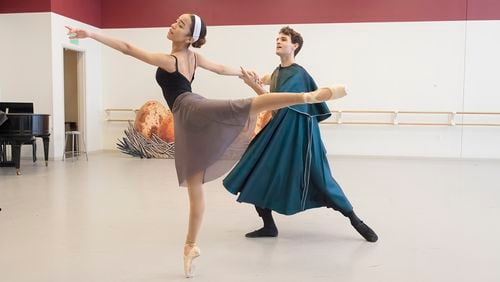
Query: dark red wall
{"type": "Point", "coordinates": [483, 10]}
{"type": "Point", "coordinates": [24, 6]}
{"type": "Point", "coordinates": [87, 11]}
{"type": "Point", "coordinates": [156, 13]}
{"type": "Point", "coordinates": [120, 13]}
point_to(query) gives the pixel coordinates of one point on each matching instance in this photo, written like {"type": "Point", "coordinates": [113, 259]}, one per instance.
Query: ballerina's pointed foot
{"type": "Point", "coordinates": [325, 93]}
{"type": "Point", "coordinates": [193, 253]}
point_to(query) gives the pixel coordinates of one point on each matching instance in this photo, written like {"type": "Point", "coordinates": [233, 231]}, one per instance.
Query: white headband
{"type": "Point", "coordinates": [197, 28]}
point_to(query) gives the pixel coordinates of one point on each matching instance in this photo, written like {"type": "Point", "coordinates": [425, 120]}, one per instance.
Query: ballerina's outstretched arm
{"type": "Point", "coordinates": [217, 68]}
{"type": "Point", "coordinates": [156, 59]}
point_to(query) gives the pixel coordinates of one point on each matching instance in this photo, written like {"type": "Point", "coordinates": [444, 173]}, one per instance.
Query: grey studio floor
{"type": "Point", "coordinates": [118, 218]}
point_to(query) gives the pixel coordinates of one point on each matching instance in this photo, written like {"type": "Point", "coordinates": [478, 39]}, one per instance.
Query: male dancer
{"type": "Point", "coordinates": [285, 168]}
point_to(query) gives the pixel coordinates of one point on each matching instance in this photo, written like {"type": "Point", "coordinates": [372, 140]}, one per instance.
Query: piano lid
{"type": "Point", "coordinates": [16, 107]}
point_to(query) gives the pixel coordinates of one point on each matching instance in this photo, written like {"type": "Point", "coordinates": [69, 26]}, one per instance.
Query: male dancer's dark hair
{"type": "Point", "coordinates": [295, 36]}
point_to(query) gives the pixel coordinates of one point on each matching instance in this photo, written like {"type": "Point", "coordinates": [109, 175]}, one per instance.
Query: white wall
{"type": "Point", "coordinates": [32, 70]}
{"type": "Point", "coordinates": [25, 70]}
{"type": "Point", "coordinates": [388, 66]}
{"type": "Point", "coordinates": [482, 88]}
{"type": "Point", "coordinates": [128, 83]}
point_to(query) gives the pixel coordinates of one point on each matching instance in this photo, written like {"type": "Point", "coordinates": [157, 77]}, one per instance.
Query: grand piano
{"type": "Point", "coordinates": [20, 127]}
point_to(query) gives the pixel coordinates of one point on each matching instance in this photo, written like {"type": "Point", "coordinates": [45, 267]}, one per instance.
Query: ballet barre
{"type": "Point", "coordinates": [110, 112]}
{"type": "Point", "coordinates": [395, 117]}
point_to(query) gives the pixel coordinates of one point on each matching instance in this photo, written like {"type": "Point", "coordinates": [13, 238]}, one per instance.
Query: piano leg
{"type": "Point", "coordinates": [3, 153]}
{"type": "Point", "coordinates": [46, 150]}
{"type": "Point", "coordinates": [33, 145]}
{"type": "Point", "coordinates": [16, 156]}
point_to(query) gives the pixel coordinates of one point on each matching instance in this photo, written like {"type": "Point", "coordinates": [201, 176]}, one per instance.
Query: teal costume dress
{"type": "Point", "coordinates": [285, 167]}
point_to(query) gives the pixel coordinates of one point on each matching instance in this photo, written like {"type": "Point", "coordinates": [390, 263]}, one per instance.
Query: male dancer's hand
{"type": "Point", "coordinates": [251, 78]}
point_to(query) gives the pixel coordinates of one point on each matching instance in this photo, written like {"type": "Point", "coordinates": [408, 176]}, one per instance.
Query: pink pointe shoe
{"type": "Point", "coordinates": [188, 261]}
{"type": "Point", "coordinates": [325, 93]}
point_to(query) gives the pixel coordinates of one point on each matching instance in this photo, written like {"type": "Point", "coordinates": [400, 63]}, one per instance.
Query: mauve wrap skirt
{"type": "Point", "coordinates": [210, 135]}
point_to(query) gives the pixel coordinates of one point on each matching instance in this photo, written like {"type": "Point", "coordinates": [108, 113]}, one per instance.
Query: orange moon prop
{"type": "Point", "coordinates": [154, 118]}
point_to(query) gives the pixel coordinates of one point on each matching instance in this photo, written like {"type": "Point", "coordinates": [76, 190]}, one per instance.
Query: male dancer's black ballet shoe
{"type": "Point", "coordinates": [363, 229]}
{"type": "Point", "coordinates": [269, 229]}
{"type": "Point", "coordinates": [325, 93]}
{"type": "Point", "coordinates": [263, 232]}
